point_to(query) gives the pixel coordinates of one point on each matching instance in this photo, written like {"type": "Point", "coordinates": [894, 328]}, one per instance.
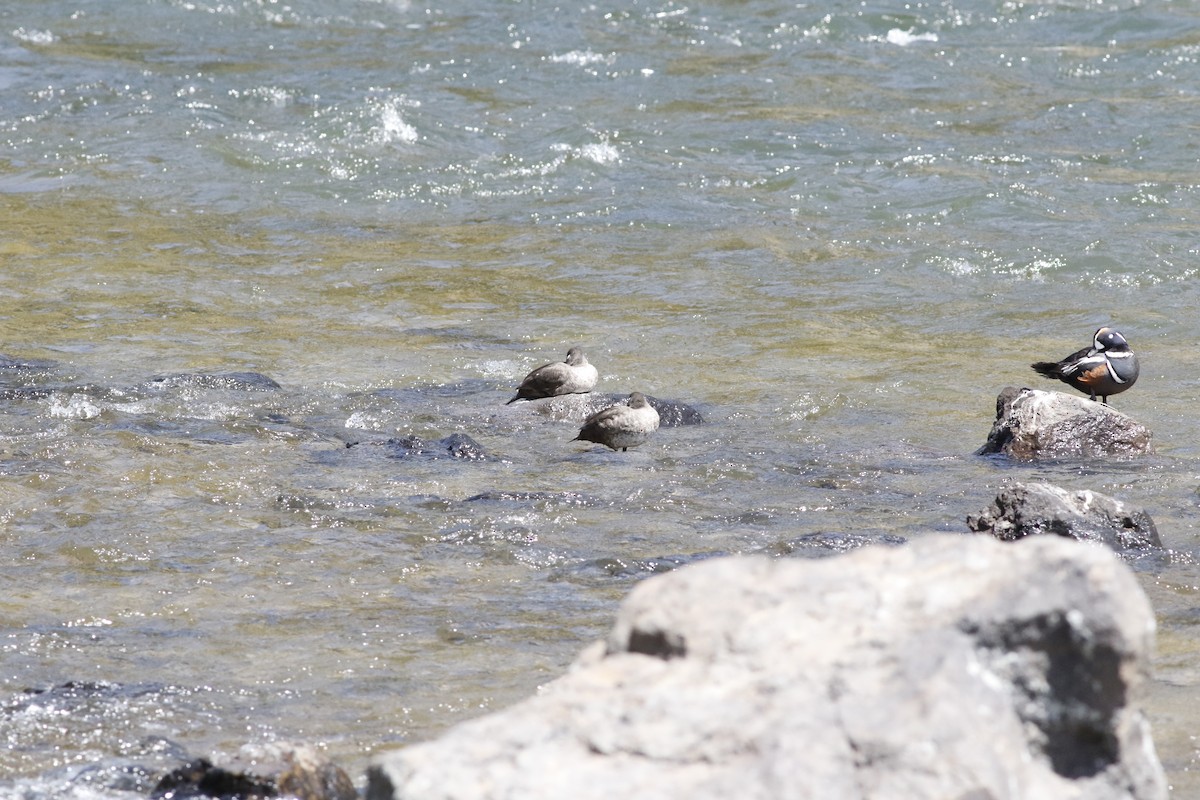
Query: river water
{"type": "Point", "coordinates": [240, 234]}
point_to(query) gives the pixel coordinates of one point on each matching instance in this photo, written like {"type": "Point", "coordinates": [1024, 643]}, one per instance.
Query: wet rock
{"type": "Point", "coordinates": [674, 413]}
{"type": "Point", "coordinates": [26, 364]}
{"type": "Point", "coordinates": [1031, 509]}
{"type": "Point", "coordinates": [70, 697]}
{"type": "Point", "coordinates": [578, 407]}
{"type": "Point", "coordinates": [456, 445]}
{"type": "Point", "coordinates": [27, 379]}
{"type": "Point", "coordinates": [953, 666]}
{"type": "Point", "coordinates": [238, 381]}
{"type": "Point", "coordinates": [105, 713]}
{"type": "Point", "coordinates": [201, 779]}
{"type": "Point", "coordinates": [25, 393]}
{"type": "Point", "coordinates": [1032, 424]}
{"type": "Point", "coordinates": [259, 771]}
{"type": "Point", "coordinates": [297, 770]}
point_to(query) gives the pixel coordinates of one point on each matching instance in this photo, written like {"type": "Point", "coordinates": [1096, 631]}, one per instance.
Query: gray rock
{"type": "Point", "coordinates": [951, 667]}
{"type": "Point", "coordinates": [1033, 424]}
{"type": "Point", "coordinates": [1030, 509]}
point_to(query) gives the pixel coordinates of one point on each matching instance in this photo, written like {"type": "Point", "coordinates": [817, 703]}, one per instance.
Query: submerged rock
{"type": "Point", "coordinates": [578, 407]}
{"type": "Point", "coordinates": [1031, 509]}
{"type": "Point", "coordinates": [674, 413]}
{"type": "Point", "coordinates": [533, 498]}
{"type": "Point", "coordinates": [26, 364]}
{"type": "Point", "coordinates": [456, 445]}
{"type": "Point", "coordinates": [1031, 424]}
{"type": "Point", "coordinates": [239, 381]}
{"type": "Point", "coordinates": [953, 666]}
{"type": "Point", "coordinates": [829, 543]}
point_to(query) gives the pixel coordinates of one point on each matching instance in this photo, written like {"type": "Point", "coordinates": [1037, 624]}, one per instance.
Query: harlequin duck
{"type": "Point", "coordinates": [1106, 368]}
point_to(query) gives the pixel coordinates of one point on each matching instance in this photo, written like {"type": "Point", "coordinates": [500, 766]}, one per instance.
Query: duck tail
{"type": "Point", "coordinates": [1047, 369]}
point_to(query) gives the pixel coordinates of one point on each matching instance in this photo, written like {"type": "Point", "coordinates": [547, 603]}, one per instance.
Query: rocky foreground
{"type": "Point", "coordinates": [952, 667]}
{"type": "Point", "coordinates": [1008, 666]}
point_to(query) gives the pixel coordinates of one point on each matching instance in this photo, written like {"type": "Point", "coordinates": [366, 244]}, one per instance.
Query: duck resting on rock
{"type": "Point", "coordinates": [574, 375]}
{"type": "Point", "coordinates": [621, 426]}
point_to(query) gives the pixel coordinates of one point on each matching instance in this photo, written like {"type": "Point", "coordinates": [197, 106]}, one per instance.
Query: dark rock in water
{"type": "Point", "coordinates": [70, 696]}
{"type": "Point", "coordinates": [96, 711]}
{"type": "Point", "coordinates": [239, 381]}
{"type": "Point", "coordinates": [456, 445]}
{"type": "Point", "coordinates": [259, 771]}
{"type": "Point", "coordinates": [25, 379]}
{"type": "Point", "coordinates": [1032, 424]}
{"type": "Point", "coordinates": [25, 393]}
{"type": "Point", "coordinates": [1031, 509]}
{"type": "Point", "coordinates": [200, 779]}
{"type": "Point", "coordinates": [578, 407]}
{"type": "Point", "coordinates": [673, 413]}
{"type": "Point", "coordinates": [822, 544]}
{"type": "Point", "coordinates": [27, 364]}
{"type": "Point", "coordinates": [951, 667]}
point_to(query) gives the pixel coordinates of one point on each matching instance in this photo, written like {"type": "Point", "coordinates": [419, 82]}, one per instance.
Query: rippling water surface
{"type": "Point", "coordinates": [238, 236]}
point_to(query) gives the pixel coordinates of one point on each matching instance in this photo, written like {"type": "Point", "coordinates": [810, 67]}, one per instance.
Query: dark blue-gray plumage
{"type": "Point", "coordinates": [1106, 368]}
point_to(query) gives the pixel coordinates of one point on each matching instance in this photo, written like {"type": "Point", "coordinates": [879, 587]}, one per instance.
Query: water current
{"type": "Point", "coordinates": [238, 235]}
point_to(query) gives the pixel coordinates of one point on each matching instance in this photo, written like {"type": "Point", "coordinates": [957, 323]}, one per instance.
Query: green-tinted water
{"type": "Point", "coordinates": [839, 232]}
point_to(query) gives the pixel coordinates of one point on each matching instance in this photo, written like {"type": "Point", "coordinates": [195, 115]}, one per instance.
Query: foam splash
{"type": "Point", "coordinates": [505, 368]}
{"type": "Point", "coordinates": [581, 58]}
{"type": "Point", "coordinates": [34, 37]}
{"type": "Point", "coordinates": [364, 421]}
{"type": "Point", "coordinates": [905, 38]}
{"type": "Point", "coordinates": [392, 127]}
{"type": "Point", "coordinates": [77, 406]}
{"type": "Point", "coordinates": [601, 153]}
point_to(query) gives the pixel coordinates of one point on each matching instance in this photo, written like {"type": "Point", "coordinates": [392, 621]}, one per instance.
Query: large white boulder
{"type": "Point", "coordinates": [951, 667]}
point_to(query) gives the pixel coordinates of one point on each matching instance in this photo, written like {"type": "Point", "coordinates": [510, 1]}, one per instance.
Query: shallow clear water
{"type": "Point", "coordinates": [839, 230]}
